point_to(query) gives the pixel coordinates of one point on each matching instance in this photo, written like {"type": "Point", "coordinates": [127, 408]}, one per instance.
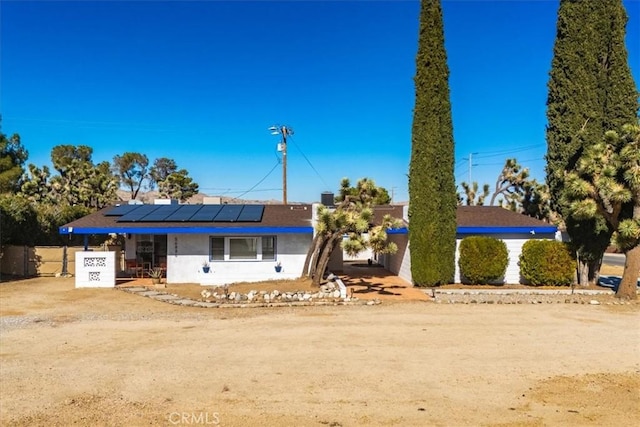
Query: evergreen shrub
{"type": "Point", "coordinates": [482, 259]}
{"type": "Point", "coordinates": [547, 262]}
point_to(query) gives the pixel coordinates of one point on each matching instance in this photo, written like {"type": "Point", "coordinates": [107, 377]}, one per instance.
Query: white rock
{"type": "Point", "coordinates": [336, 294]}
{"type": "Point", "coordinates": [594, 302]}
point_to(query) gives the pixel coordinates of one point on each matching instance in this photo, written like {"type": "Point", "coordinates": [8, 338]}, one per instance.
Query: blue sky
{"type": "Point", "coordinates": [201, 82]}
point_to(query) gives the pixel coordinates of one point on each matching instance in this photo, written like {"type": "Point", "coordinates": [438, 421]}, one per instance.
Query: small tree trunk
{"type": "Point", "coordinates": [629, 283]}
{"type": "Point", "coordinates": [311, 254]}
{"type": "Point", "coordinates": [323, 261]}
{"type": "Point", "coordinates": [583, 273]}
{"type": "Point", "coordinates": [594, 271]}
{"type": "Point", "coordinates": [316, 261]}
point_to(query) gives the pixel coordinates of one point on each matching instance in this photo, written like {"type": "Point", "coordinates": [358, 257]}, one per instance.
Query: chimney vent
{"type": "Point", "coordinates": [327, 199]}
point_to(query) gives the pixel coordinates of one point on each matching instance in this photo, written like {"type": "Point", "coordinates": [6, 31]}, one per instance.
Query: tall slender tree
{"type": "Point", "coordinates": [432, 190]}
{"type": "Point", "coordinates": [591, 90]}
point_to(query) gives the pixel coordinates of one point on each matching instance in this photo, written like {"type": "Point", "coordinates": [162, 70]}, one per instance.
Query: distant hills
{"type": "Point", "coordinates": [149, 196]}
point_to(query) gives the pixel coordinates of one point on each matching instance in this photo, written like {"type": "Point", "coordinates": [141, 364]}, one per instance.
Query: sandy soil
{"type": "Point", "coordinates": [105, 357]}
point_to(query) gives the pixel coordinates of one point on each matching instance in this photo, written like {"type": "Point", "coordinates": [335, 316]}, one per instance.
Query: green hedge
{"type": "Point", "coordinates": [482, 259]}
{"type": "Point", "coordinates": [547, 262]}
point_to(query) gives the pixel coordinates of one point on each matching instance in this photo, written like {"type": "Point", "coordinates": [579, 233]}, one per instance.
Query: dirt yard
{"type": "Point", "coordinates": [108, 358]}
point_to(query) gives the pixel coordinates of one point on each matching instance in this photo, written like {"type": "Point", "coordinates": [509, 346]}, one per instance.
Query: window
{"type": "Point", "coordinates": [243, 248]}
{"type": "Point", "coordinates": [269, 248]}
{"type": "Point", "coordinates": [240, 248]}
{"type": "Point", "coordinates": [217, 248]}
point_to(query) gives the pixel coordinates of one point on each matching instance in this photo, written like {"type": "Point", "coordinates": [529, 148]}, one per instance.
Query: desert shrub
{"type": "Point", "coordinates": [546, 262]}
{"type": "Point", "coordinates": [482, 259]}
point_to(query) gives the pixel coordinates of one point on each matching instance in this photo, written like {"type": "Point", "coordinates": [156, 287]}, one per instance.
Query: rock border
{"type": "Point", "coordinates": [527, 296]}
{"type": "Point", "coordinates": [238, 300]}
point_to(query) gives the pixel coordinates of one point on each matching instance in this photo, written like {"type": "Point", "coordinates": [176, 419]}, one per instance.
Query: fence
{"type": "Point", "coordinates": [27, 261]}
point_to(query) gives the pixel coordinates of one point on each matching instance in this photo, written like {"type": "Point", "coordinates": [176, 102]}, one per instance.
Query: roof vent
{"type": "Point", "coordinates": [165, 202]}
{"type": "Point", "coordinates": [213, 200]}
{"type": "Point", "coordinates": [327, 199]}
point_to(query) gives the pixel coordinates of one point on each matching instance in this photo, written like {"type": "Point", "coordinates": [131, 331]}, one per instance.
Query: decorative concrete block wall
{"type": "Point", "coordinates": [95, 269]}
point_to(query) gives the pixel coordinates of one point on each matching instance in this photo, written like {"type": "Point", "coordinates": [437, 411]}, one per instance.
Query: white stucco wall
{"type": "Point", "coordinates": [400, 263]}
{"type": "Point", "coordinates": [95, 269]}
{"type": "Point", "coordinates": [187, 252]}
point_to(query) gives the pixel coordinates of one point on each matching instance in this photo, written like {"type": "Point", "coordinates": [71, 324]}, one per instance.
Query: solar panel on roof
{"type": "Point", "coordinates": [138, 214]}
{"type": "Point", "coordinates": [184, 213]}
{"type": "Point", "coordinates": [121, 210]}
{"type": "Point", "coordinates": [206, 213]}
{"type": "Point", "coordinates": [161, 213]}
{"type": "Point", "coordinates": [251, 213]}
{"type": "Point", "coordinates": [228, 213]}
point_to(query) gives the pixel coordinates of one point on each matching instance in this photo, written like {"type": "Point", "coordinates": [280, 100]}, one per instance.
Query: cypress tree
{"type": "Point", "coordinates": [432, 192]}
{"type": "Point", "coordinates": [591, 90]}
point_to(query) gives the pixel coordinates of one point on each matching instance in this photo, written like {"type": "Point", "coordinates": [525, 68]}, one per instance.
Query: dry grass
{"type": "Point", "coordinates": [611, 270]}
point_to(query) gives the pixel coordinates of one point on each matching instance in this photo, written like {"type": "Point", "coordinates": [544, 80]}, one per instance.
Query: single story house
{"type": "Point", "coordinates": [493, 221]}
{"type": "Point", "coordinates": [266, 242]}
{"type": "Point", "coordinates": [236, 242]}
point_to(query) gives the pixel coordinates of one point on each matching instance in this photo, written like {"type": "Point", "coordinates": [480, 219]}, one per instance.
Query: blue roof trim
{"type": "Point", "coordinates": [491, 230]}
{"type": "Point", "coordinates": [401, 230]}
{"type": "Point", "coordinates": [499, 230]}
{"type": "Point", "coordinates": [187, 230]}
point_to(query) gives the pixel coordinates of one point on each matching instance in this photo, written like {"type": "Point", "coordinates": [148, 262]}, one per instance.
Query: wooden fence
{"type": "Point", "coordinates": [27, 261]}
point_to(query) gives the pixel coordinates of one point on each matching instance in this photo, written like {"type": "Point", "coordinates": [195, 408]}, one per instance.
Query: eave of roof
{"type": "Point", "coordinates": [275, 219]}
{"type": "Point", "coordinates": [491, 230]}
{"type": "Point", "coordinates": [131, 229]}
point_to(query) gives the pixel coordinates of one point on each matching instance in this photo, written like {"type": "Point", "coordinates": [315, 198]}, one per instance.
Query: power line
{"type": "Point", "coordinates": [259, 182]}
{"type": "Point", "coordinates": [519, 161]}
{"type": "Point", "coordinates": [497, 153]}
{"type": "Point", "coordinates": [309, 162]}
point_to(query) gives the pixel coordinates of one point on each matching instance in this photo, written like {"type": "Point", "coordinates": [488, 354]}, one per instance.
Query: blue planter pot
{"type": "Point", "coordinates": [206, 269]}
{"type": "Point", "coordinates": [278, 269]}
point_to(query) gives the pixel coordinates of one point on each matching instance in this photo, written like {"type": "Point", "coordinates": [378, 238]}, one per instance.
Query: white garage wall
{"type": "Point", "coordinates": [187, 252]}
{"type": "Point", "coordinates": [400, 263]}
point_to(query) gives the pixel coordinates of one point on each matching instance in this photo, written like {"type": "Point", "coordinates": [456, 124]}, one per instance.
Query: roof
{"type": "Point", "coordinates": [274, 219]}
{"type": "Point", "coordinates": [494, 220]}
{"type": "Point", "coordinates": [298, 219]}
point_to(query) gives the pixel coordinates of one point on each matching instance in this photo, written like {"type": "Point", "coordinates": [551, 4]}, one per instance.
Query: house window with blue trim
{"type": "Point", "coordinates": [242, 248]}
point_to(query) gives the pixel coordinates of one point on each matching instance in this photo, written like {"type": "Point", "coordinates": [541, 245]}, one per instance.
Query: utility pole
{"type": "Point", "coordinates": [471, 165]}
{"type": "Point", "coordinates": [284, 131]}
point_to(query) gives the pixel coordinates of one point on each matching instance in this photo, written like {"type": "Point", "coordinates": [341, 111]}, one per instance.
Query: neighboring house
{"type": "Point", "coordinates": [239, 242]}
{"type": "Point", "coordinates": [492, 221]}
{"type": "Point", "coordinates": [247, 242]}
